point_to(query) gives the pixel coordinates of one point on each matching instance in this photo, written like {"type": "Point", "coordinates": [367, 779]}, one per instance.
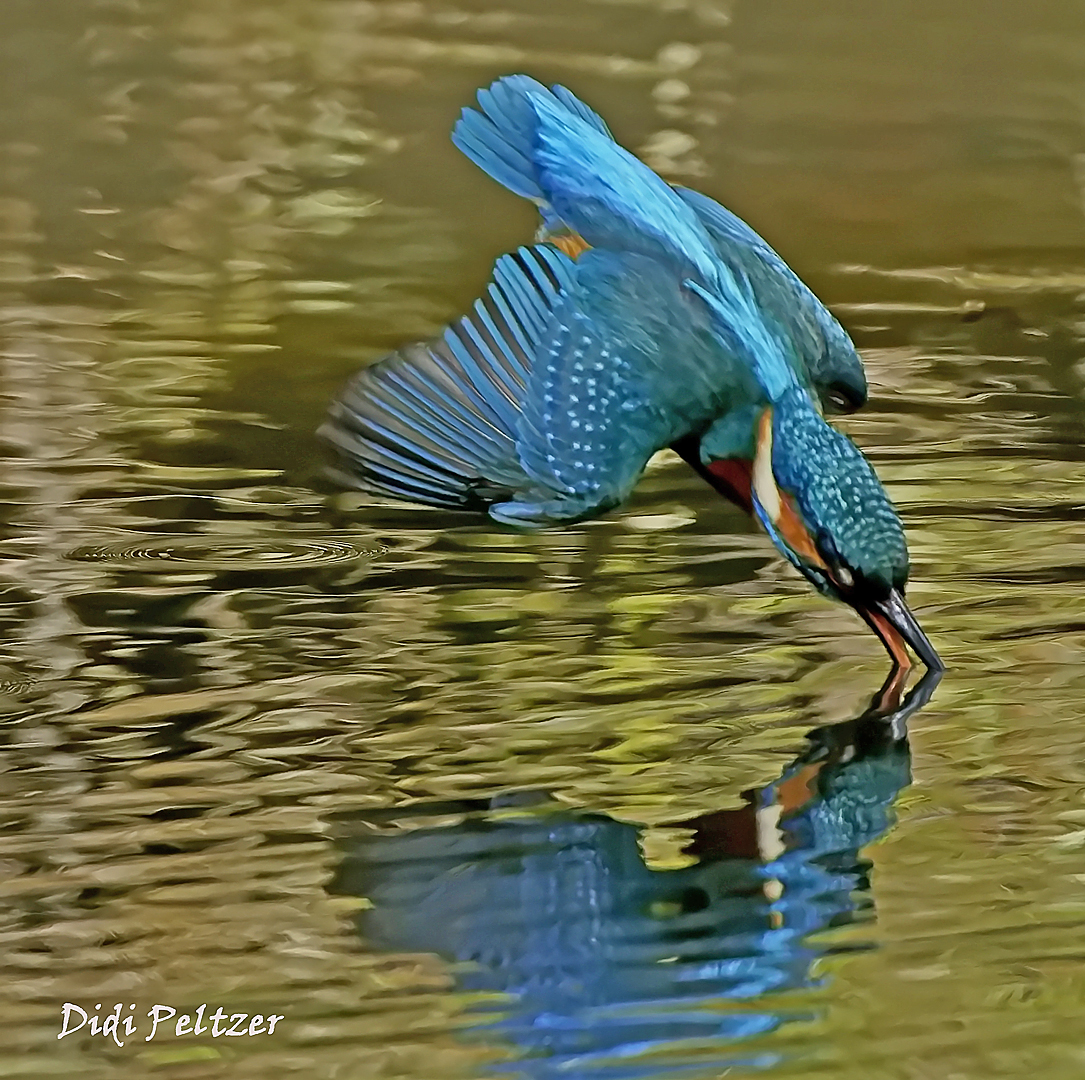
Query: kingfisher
{"type": "Point", "coordinates": [647, 317]}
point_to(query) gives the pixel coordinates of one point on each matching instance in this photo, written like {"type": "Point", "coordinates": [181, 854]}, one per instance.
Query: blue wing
{"type": "Point", "coordinates": [533, 406]}
{"type": "Point", "coordinates": [438, 423]}
{"type": "Point", "coordinates": [571, 437]}
{"type": "Point", "coordinates": [546, 402]}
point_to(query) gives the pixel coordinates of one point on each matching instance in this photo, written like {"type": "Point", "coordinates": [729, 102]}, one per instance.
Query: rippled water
{"type": "Point", "coordinates": [597, 803]}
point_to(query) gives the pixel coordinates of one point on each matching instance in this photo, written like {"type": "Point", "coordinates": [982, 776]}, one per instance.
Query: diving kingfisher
{"type": "Point", "coordinates": [648, 317]}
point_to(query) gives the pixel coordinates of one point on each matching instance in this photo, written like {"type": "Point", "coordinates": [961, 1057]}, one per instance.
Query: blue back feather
{"type": "Point", "coordinates": [741, 328]}
{"type": "Point", "coordinates": [820, 342]}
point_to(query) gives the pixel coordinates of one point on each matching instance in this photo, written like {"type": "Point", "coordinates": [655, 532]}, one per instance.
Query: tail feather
{"type": "Point", "coordinates": [548, 146]}
{"type": "Point", "coordinates": [575, 105]}
{"type": "Point", "coordinates": [438, 423]}
{"type": "Point", "coordinates": [473, 135]}
{"type": "Point", "coordinates": [501, 139]}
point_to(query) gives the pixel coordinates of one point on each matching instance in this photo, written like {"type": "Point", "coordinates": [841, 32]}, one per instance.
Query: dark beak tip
{"type": "Point", "coordinates": [897, 612]}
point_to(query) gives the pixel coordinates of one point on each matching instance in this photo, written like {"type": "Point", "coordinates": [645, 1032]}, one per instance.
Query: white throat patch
{"type": "Point", "coordinates": [764, 482]}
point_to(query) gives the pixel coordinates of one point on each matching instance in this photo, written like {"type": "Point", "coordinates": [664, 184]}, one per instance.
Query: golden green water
{"type": "Point", "coordinates": [461, 803]}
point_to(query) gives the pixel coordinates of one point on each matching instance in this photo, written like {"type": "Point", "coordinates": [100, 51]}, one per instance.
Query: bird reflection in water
{"type": "Point", "coordinates": [603, 967]}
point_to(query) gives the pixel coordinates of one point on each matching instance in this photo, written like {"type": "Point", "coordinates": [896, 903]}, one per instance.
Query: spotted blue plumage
{"type": "Point", "coordinates": [609, 390]}
{"type": "Point", "coordinates": [838, 494]}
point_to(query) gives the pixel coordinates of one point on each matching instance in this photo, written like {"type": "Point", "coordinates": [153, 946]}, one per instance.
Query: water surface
{"type": "Point", "coordinates": [463, 803]}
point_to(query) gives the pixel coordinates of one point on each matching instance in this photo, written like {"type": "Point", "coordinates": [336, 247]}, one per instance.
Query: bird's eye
{"type": "Point", "coordinates": [844, 398]}
{"type": "Point", "coordinates": [844, 577]}
{"type": "Point", "coordinates": [840, 401]}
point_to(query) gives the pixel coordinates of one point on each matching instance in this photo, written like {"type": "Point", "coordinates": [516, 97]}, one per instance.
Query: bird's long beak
{"type": "Point", "coordinates": [894, 623]}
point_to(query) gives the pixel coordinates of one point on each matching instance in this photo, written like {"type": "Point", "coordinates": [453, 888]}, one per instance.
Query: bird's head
{"type": "Point", "coordinates": [824, 508]}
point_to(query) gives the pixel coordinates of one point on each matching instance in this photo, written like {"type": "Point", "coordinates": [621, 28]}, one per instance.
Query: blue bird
{"type": "Point", "coordinates": [544, 405]}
